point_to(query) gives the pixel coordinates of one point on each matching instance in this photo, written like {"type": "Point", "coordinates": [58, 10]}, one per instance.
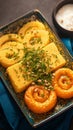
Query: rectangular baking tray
{"type": "Point", "coordinates": [62, 105]}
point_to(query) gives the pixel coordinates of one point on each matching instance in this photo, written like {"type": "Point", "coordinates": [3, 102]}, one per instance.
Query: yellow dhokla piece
{"type": "Point", "coordinates": [11, 53]}
{"type": "Point", "coordinates": [56, 60]}
{"type": "Point", "coordinates": [9, 37]}
{"type": "Point", "coordinates": [17, 76]}
{"type": "Point", "coordinates": [36, 39]}
{"type": "Point", "coordinates": [33, 25]}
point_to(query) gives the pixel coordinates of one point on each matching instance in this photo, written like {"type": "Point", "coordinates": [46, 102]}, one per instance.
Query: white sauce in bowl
{"type": "Point", "coordinates": [64, 17]}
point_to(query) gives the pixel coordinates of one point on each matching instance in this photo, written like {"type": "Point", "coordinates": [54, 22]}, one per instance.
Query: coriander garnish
{"type": "Point", "coordinates": [37, 66]}
{"type": "Point", "coordinates": [35, 40]}
{"type": "Point", "coordinates": [12, 55]}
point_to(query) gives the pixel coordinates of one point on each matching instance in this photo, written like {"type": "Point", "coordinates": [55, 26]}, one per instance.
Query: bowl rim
{"type": "Point", "coordinates": [55, 10]}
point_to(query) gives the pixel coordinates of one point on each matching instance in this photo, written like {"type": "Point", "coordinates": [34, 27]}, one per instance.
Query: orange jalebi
{"type": "Point", "coordinates": [63, 83]}
{"type": "Point", "coordinates": [40, 100]}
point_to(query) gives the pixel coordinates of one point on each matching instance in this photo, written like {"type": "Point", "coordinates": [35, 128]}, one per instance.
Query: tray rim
{"type": "Point", "coordinates": [6, 85]}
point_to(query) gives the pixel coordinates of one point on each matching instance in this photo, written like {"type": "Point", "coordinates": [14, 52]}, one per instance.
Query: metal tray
{"type": "Point", "coordinates": [62, 105]}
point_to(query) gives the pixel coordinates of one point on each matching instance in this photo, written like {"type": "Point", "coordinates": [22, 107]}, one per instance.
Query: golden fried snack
{"type": "Point", "coordinates": [18, 77]}
{"type": "Point", "coordinates": [63, 83]}
{"type": "Point", "coordinates": [40, 100]}
{"type": "Point", "coordinates": [11, 53]}
{"type": "Point", "coordinates": [9, 37]}
{"type": "Point", "coordinates": [56, 60]}
{"type": "Point", "coordinates": [36, 39]}
{"type": "Point", "coordinates": [33, 25]}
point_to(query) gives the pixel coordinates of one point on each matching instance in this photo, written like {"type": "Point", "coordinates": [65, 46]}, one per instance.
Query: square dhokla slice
{"type": "Point", "coordinates": [56, 60]}
{"type": "Point", "coordinates": [17, 77]}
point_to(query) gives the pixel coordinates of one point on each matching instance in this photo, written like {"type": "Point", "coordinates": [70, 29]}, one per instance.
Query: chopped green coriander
{"type": "Point", "coordinates": [12, 55]}
{"type": "Point", "coordinates": [35, 40]}
{"type": "Point", "coordinates": [37, 66]}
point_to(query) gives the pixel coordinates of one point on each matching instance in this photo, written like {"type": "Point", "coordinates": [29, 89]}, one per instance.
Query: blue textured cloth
{"type": "Point", "coordinates": [69, 44]}
{"type": "Point", "coordinates": [12, 118]}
